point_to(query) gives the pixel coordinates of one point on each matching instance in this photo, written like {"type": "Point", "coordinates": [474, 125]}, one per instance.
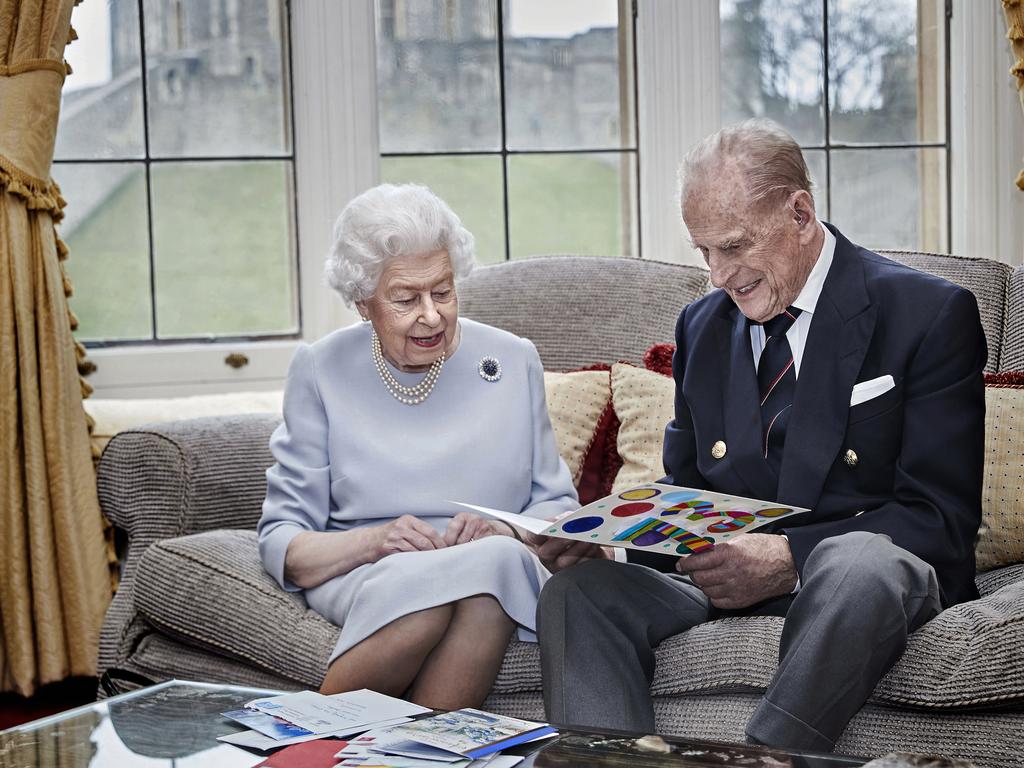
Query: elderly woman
{"type": "Point", "coordinates": [385, 423]}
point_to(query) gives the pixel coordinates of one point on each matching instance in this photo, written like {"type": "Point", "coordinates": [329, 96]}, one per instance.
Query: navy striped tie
{"type": "Point", "coordinates": [776, 383]}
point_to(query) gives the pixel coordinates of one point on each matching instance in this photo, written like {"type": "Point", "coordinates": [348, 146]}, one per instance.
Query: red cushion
{"type": "Point", "coordinates": [601, 462]}
{"type": "Point", "coordinates": [659, 358]}
{"type": "Point", "coordinates": [1006, 379]}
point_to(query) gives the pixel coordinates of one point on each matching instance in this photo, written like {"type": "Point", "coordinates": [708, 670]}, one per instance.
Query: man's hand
{"type": "Point", "coordinates": [407, 534]}
{"type": "Point", "coordinates": [557, 554]}
{"type": "Point", "coordinates": [745, 571]}
{"type": "Point", "coordinates": [466, 526]}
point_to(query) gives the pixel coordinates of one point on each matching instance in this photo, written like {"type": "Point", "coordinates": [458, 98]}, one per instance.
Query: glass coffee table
{"type": "Point", "coordinates": [177, 724]}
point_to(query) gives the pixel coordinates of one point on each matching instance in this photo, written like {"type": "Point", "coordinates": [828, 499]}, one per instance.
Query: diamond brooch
{"type": "Point", "coordinates": [490, 369]}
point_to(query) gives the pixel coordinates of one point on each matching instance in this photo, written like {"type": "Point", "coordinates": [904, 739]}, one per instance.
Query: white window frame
{"type": "Point", "coordinates": [337, 156]}
{"type": "Point", "coordinates": [335, 103]}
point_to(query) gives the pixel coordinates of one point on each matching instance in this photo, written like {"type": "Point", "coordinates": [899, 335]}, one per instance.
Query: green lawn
{"type": "Point", "coordinates": [557, 203]}
{"type": "Point", "coordinates": [109, 265]}
{"type": "Point", "coordinates": [223, 260]}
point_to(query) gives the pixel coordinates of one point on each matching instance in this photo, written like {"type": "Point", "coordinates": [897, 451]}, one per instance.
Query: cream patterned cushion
{"type": "Point", "coordinates": [644, 402]}
{"type": "Point", "coordinates": [115, 415]}
{"type": "Point", "coordinates": [576, 402]}
{"type": "Point", "coordinates": [1001, 538]}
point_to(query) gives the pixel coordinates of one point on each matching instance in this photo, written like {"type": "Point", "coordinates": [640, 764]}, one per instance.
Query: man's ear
{"type": "Point", "coordinates": [802, 205]}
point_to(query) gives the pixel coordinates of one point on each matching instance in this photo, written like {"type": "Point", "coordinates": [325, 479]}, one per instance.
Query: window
{"type": "Point", "coordinates": [521, 114]}
{"type": "Point", "coordinates": [680, 75]}
{"type": "Point", "coordinates": [861, 84]}
{"type": "Point", "coordinates": [175, 150]}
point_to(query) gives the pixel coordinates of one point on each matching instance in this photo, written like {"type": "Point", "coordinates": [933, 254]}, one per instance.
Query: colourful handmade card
{"type": "Point", "coordinates": [667, 519]}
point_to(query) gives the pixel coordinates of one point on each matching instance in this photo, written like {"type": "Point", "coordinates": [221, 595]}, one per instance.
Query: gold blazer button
{"type": "Point", "coordinates": [718, 449]}
{"type": "Point", "coordinates": [851, 457]}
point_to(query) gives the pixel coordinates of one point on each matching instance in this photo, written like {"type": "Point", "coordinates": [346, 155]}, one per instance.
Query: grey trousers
{"type": "Point", "coordinates": [860, 597]}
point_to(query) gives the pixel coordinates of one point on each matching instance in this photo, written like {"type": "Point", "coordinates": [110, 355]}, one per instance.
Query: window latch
{"type": "Point", "coordinates": [236, 360]}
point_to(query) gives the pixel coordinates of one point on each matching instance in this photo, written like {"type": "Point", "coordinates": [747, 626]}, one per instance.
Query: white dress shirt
{"type": "Point", "coordinates": [806, 302]}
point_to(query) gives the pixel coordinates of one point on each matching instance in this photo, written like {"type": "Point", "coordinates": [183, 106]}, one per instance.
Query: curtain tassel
{"type": "Point", "coordinates": [1017, 70]}
{"type": "Point", "coordinates": [1016, 32]}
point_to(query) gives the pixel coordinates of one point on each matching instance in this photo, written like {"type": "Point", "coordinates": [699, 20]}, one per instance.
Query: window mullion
{"type": "Point", "coordinates": [143, 72]}
{"type": "Point", "coordinates": [504, 127]}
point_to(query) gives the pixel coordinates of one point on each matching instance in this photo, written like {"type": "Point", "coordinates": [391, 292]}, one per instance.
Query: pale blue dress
{"type": "Point", "coordinates": [349, 454]}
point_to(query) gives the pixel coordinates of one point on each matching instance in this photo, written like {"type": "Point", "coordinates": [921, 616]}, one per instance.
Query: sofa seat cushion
{"type": "Point", "coordinates": [210, 590]}
{"type": "Point", "coordinates": [967, 657]}
{"type": "Point", "coordinates": [160, 657]}
{"type": "Point", "coordinates": [749, 666]}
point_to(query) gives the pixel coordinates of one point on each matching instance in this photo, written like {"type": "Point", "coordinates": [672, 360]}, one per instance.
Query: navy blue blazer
{"type": "Point", "coordinates": [920, 446]}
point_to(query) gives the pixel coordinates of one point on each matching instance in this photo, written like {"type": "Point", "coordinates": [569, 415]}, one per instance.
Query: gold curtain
{"type": "Point", "coordinates": [54, 583]}
{"type": "Point", "coordinates": [1014, 10]}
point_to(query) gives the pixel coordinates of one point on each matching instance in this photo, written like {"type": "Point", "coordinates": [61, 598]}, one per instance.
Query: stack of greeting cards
{"type": "Point", "coordinates": [364, 729]}
{"type": "Point", "coordinates": [465, 738]}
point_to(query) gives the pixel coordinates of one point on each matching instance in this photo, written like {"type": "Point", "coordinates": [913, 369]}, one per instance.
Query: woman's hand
{"type": "Point", "coordinates": [466, 526]}
{"type": "Point", "coordinates": [407, 534]}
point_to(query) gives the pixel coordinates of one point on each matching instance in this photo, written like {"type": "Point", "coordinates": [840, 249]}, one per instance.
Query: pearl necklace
{"type": "Point", "coordinates": [408, 395]}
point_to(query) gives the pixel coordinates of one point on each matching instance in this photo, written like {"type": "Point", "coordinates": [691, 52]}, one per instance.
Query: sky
{"type": "Point", "coordinates": [564, 18]}
{"type": "Point", "coordinates": [89, 56]}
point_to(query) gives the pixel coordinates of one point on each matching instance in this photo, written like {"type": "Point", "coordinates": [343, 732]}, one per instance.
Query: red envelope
{"type": "Point", "coordinates": [309, 754]}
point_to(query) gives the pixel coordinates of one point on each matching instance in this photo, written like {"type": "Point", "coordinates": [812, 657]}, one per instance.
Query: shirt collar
{"type": "Point", "coordinates": [808, 298]}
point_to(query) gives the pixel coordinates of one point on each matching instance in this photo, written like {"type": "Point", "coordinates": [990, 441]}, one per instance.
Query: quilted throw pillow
{"type": "Point", "coordinates": [576, 403]}
{"type": "Point", "coordinates": [1001, 537]}
{"type": "Point", "coordinates": [644, 402]}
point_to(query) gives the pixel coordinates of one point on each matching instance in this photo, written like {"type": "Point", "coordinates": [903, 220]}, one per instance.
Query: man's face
{"type": "Point", "coordinates": [762, 256]}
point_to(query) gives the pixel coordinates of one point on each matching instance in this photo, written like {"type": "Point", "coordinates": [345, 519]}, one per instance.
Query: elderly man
{"type": "Point", "coordinates": [820, 375]}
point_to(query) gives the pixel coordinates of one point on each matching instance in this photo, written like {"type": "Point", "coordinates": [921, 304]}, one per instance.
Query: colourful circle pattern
{"type": "Point", "coordinates": [634, 508]}
{"type": "Point", "coordinates": [583, 524]}
{"type": "Point", "coordinates": [648, 538]}
{"type": "Point", "coordinates": [639, 494]}
{"type": "Point", "coordinates": [772, 511]}
{"type": "Point", "coordinates": [674, 497]}
{"type": "Point", "coordinates": [739, 520]}
{"type": "Point", "coordinates": [702, 507]}
{"type": "Point", "coordinates": [690, 542]}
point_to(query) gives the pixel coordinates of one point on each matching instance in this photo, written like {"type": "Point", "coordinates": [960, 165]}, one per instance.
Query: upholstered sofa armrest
{"type": "Point", "coordinates": [161, 481]}
{"type": "Point", "coordinates": [164, 480]}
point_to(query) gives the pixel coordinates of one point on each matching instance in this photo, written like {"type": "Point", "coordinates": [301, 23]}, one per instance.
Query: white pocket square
{"type": "Point", "coordinates": [868, 390]}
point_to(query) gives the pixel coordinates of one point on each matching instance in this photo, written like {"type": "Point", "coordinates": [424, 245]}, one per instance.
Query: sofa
{"type": "Point", "coordinates": [195, 602]}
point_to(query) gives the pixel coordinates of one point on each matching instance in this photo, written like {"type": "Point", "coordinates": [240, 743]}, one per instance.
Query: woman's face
{"type": "Point", "coordinates": [414, 310]}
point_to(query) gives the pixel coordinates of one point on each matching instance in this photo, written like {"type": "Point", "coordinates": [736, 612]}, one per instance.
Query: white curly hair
{"type": "Point", "coordinates": [392, 220]}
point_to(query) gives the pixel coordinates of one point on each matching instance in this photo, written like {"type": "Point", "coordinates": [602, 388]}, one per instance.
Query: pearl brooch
{"type": "Point", "coordinates": [490, 369]}
{"type": "Point", "coordinates": [408, 395]}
